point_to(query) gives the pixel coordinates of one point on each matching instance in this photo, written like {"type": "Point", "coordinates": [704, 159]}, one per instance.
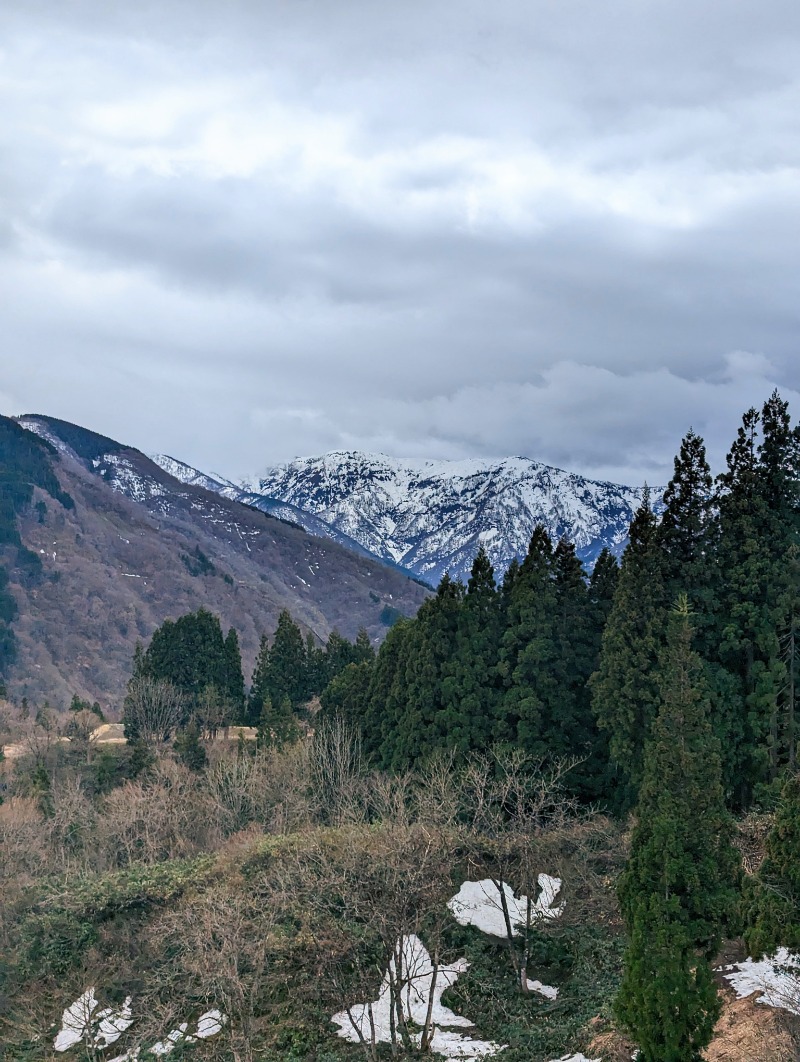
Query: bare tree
{"type": "Point", "coordinates": [153, 709]}
{"type": "Point", "coordinates": [337, 771]}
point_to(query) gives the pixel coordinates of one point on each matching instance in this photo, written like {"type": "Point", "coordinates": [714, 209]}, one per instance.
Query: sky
{"type": "Point", "coordinates": [246, 231]}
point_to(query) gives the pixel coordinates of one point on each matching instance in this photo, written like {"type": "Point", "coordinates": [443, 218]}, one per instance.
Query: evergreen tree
{"type": "Point", "coordinates": [363, 650]}
{"type": "Point", "coordinates": [679, 887]}
{"type": "Point", "coordinates": [528, 651]}
{"type": "Point", "coordinates": [286, 672]}
{"type": "Point", "coordinates": [188, 652]}
{"type": "Point", "coordinates": [758, 505]}
{"type": "Point", "coordinates": [470, 680]}
{"type": "Point", "coordinates": [668, 1000]}
{"type": "Point", "coordinates": [316, 668]}
{"type": "Point", "coordinates": [624, 694]}
{"type": "Point", "coordinates": [277, 725]}
{"type": "Point", "coordinates": [772, 897]}
{"type": "Point", "coordinates": [339, 652]}
{"type": "Point", "coordinates": [189, 749]}
{"type": "Point", "coordinates": [259, 684]}
{"type": "Point", "coordinates": [570, 728]}
{"type": "Point", "coordinates": [347, 695]}
{"type": "Point", "coordinates": [686, 532]}
{"type": "Point", "coordinates": [602, 585]}
{"type": "Point", "coordinates": [233, 689]}
{"type": "Point", "coordinates": [422, 726]}
{"type": "Point", "coordinates": [387, 693]}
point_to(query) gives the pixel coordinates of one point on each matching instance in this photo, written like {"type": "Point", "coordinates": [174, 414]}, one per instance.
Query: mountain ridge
{"type": "Point", "coordinates": [119, 563]}
{"type": "Point", "coordinates": [430, 516]}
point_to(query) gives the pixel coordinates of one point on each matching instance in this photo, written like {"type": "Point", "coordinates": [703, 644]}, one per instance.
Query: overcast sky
{"type": "Point", "coordinates": [242, 231]}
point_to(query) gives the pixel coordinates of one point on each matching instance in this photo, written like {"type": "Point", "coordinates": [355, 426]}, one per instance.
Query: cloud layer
{"type": "Point", "coordinates": [242, 232]}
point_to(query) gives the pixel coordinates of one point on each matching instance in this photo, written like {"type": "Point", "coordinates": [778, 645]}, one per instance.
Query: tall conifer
{"type": "Point", "coordinates": [679, 887]}
{"type": "Point", "coordinates": [528, 650]}
{"type": "Point", "coordinates": [471, 684]}
{"type": "Point", "coordinates": [624, 694]}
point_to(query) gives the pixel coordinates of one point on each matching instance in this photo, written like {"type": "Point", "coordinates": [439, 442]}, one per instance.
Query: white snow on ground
{"type": "Point", "coordinates": [165, 1046]}
{"type": "Point", "coordinates": [776, 978]}
{"type": "Point", "coordinates": [209, 1024]}
{"type": "Point", "coordinates": [478, 903]}
{"type": "Point", "coordinates": [80, 1023]}
{"type": "Point", "coordinates": [577, 1058]}
{"type": "Point", "coordinates": [75, 1021]}
{"type": "Point", "coordinates": [544, 990]}
{"type": "Point", "coordinates": [417, 984]}
{"type": "Point", "coordinates": [112, 1024]}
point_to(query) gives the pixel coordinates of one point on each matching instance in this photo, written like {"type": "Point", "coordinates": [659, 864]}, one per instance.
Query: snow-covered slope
{"type": "Point", "coordinates": [431, 516]}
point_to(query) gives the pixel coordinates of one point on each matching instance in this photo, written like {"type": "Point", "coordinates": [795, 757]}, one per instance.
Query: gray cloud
{"type": "Point", "coordinates": [241, 232]}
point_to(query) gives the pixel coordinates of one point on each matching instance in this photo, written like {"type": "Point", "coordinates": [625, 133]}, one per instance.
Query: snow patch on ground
{"type": "Point", "coordinates": [80, 1024]}
{"type": "Point", "coordinates": [776, 978]}
{"type": "Point", "coordinates": [416, 978]}
{"type": "Point", "coordinates": [577, 1058]}
{"type": "Point", "coordinates": [543, 990]}
{"type": "Point", "coordinates": [479, 904]}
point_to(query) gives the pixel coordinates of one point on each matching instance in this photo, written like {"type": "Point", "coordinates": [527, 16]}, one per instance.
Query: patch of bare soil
{"type": "Point", "coordinates": [750, 1032]}
{"type": "Point", "coordinates": [746, 1032]}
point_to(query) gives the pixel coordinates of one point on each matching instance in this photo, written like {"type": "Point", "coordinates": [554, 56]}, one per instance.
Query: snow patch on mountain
{"type": "Point", "coordinates": [431, 516]}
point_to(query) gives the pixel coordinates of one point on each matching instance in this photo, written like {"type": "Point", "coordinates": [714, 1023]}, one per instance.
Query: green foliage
{"type": "Point", "coordinates": [668, 999]}
{"type": "Point", "coordinates": [197, 563]}
{"type": "Point", "coordinates": [772, 897]}
{"type": "Point", "coordinates": [192, 654]}
{"type": "Point", "coordinates": [389, 615]}
{"type": "Point", "coordinates": [347, 695]}
{"type": "Point", "coordinates": [277, 725]}
{"type": "Point", "coordinates": [678, 890]}
{"type": "Point", "coordinates": [624, 694]}
{"type": "Point", "coordinates": [189, 749]}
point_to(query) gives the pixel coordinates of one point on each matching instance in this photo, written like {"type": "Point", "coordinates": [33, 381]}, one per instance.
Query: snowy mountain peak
{"type": "Point", "coordinates": [431, 516]}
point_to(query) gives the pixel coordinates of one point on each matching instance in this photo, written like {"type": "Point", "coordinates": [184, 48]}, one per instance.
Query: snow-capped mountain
{"type": "Point", "coordinates": [431, 516]}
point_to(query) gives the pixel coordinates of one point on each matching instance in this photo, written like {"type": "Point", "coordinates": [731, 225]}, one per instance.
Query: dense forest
{"type": "Point", "coordinates": [621, 723]}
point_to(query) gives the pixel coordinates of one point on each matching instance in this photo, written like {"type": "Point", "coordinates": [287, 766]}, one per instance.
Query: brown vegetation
{"type": "Point", "coordinates": [112, 572]}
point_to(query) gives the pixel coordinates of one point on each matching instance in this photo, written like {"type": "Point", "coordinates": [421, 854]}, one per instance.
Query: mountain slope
{"type": "Point", "coordinates": [283, 510]}
{"type": "Point", "coordinates": [431, 516]}
{"type": "Point", "coordinates": [121, 560]}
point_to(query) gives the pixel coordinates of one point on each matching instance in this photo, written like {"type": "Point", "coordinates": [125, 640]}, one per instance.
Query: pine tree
{"type": "Point", "coordinates": [772, 896]}
{"type": "Point", "coordinates": [570, 728]}
{"type": "Point", "coordinates": [286, 672]}
{"type": "Point", "coordinates": [233, 690]}
{"type": "Point", "coordinates": [687, 531]}
{"type": "Point", "coordinates": [277, 725]}
{"type": "Point", "coordinates": [759, 506]}
{"type": "Point", "coordinates": [470, 680]}
{"type": "Point", "coordinates": [528, 651]}
{"type": "Point", "coordinates": [188, 749]}
{"type": "Point", "coordinates": [259, 684]}
{"type": "Point", "coordinates": [679, 887]}
{"type": "Point", "coordinates": [624, 694]}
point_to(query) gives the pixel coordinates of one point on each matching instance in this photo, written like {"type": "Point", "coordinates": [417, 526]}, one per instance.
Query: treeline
{"type": "Point", "coordinates": [562, 664]}
{"type": "Point", "coordinates": [190, 677]}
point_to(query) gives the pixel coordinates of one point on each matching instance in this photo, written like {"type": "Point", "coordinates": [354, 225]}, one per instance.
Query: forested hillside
{"type": "Point", "coordinates": [99, 546]}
